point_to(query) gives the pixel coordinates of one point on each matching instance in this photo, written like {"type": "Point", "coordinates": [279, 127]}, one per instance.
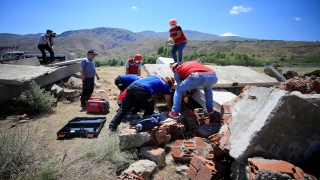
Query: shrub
{"type": "Point", "coordinates": [35, 100]}
{"type": "Point", "coordinates": [16, 152]}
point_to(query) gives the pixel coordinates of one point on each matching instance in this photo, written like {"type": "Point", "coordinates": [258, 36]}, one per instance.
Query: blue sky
{"type": "Point", "coordinates": [297, 20]}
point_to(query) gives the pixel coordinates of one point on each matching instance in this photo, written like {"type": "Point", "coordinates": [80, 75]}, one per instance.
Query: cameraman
{"type": "Point", "coordinates": [43, 44]}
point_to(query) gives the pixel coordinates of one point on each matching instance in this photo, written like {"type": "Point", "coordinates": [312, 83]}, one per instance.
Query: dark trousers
{"type": "Point", "coordinates": [119, 84]}
{"type": "Point", "coordinates": [136, 95]}
{"type": "Point", "coordinates": [87, 90]}
{"type": "Point", "coordinates": [44, 56]}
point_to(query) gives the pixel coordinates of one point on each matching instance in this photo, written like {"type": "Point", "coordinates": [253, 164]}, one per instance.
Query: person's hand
{"type": "Point", "coordinates": [186, 100]}
{"type": "Point", "coordinates": [82, 77]}
{"type": "Point", "coordinates": [98, 77]}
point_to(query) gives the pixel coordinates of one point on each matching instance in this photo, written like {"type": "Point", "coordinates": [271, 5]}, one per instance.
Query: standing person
{"type": "Point", "coordinates": [88, 72]}
{"type": "Point", "coordinates": [123, 81]}
{"type": "Point", "coordinates": [180, 40]}
{"type": "Point", "coordinates": [43, 44]}
{"type": "Point", "coordinates": [141, 92]}
{"type": "Point", "coordinates": [133, 65]}
{"type": "Point", "coordinates": [191, 75]}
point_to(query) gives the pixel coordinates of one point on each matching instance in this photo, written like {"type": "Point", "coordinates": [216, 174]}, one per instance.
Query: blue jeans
{"type": "Point", "coordinates": [205, 80]}
{"type": "Point", "coordinates": [178, 47]}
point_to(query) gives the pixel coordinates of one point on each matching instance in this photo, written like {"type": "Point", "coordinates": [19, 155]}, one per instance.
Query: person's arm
{"type": "Point", "coordinates": [51, 43]}
{"type": "Point", "coordinates": [168, 101]}
{"type": "Point", "coordinates": [127, 67]}
{"type": "Point", "coordinates": [45, 39]}
{"type": "Point", "coordinates": [139, 72]}
{"type": "Point", "coordinates": [97, 76]}
{"type": "Point", "coordinates": [82, 74]}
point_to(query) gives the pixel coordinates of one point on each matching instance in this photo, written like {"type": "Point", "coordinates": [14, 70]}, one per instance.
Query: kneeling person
{"type": "Point", "coordinates": [141, 92]}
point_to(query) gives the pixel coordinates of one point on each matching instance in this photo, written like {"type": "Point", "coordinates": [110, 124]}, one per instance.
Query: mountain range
{"type": "Point", "coordinates": [116, 42]}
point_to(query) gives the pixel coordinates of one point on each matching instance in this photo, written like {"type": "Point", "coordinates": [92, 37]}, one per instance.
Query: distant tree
{"type": "Point", "coordinates": [160, 50]}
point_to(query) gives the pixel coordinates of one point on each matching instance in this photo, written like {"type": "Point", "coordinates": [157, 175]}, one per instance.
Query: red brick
{"type": "Point", "coordinates": [184, 150]}
{"type": "Point", "coordinates": [205, 169]}
{"type": "Point", "coordinates": [130, 175]}
{"type": "Point", "coordinates": [225, 109]}
{"type": "Point", "coordinates": [214, 139]}
{"type": "Point", "coordinates": [256, 164]}
{"type": "Point", "coordinates": [225, 138]}
{"type": "Point", "coordinates": [224, 118]}
{"type": "Point", "coordinates": [23, 116]}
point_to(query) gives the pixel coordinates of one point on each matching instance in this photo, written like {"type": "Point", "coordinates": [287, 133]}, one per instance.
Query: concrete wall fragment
{"type": "Point", "coordinates": [274, 124]}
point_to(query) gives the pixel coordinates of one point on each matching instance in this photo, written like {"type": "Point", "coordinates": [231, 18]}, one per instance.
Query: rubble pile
{"type": "Point", "coordinates": [262, 134]}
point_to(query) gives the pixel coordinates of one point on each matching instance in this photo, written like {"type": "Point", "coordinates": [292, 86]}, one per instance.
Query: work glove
{"type": "Point", "coordinates": [170, 42]}
{"type": "Point", "coordinates": [186, 100]}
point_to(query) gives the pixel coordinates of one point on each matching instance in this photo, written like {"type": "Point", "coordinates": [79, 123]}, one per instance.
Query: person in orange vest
{"type": "Point", "coordinates": [180, 40]}
{"type": "Point", "coordinates": [191, 75]}
{"type": "Point", "coordinates": [133, 65]}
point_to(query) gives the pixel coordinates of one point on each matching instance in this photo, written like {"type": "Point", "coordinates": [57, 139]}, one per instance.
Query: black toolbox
{"type": "Point", "coordinates": [82, 127]}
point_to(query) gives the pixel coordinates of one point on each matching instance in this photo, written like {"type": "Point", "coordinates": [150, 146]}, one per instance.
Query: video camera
{"type": "Point", "coordinates": [52, 35]}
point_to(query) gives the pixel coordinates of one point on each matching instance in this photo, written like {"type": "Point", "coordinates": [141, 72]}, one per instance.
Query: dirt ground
{"type": "Point", "coordinates": [65, 158]}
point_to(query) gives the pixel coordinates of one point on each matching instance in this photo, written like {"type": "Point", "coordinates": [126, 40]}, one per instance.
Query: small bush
{"type": "Point", "coordinates": [16, 151]}
{"type": "Point", "coordinates": [35, 100]}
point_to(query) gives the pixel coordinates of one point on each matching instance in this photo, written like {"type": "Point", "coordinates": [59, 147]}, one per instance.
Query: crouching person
{"type": "Point", "coordinates": [141, 92]}
{"type": "Point", "coordinates": [191, 75]}
{"type": "Point", "coordinates": [123, 81]}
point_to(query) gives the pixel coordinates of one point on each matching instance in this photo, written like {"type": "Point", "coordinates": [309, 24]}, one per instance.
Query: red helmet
{"type": "Point", "coordinates": [173, 22]}
{"type": "Point", "coordinates": [138, 57]}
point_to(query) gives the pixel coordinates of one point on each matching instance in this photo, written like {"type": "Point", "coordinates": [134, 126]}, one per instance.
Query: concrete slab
{"type": "Point", "coordinates": [63, 63]}
{"type": "Point", "coordinates": [229, 76]}
{"type": "Point", "coordinates": [34, 61]}
{"type": "Point", "coordinates": [42, 75]}
{"type": "Point", "coordinates": [220, 96]}
{"type": "Point", "coordinates": [20, 74]}
{"type": "Point", "coordinates": [164, 60]}
{"type": "Point", "coordinates": [274, 124]}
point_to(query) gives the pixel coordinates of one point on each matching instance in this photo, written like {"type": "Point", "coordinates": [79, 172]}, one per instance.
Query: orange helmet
{"type": "Point", "coordinates": [173, 22]}
{"type": "Point", "coordinates": [138, 57]}
{"type": "Point", "coordinates": [170, 81]}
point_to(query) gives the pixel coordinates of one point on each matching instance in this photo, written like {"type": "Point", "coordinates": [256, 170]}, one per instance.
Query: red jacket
{"type": "Point", "coordinates": [122, 96]}
{"type": "Point", "coordinates": [173, 32]}
{"type": "Point", "coordinates": [185, 69]}
{"type": "Point", "coordinates": [133, 67]}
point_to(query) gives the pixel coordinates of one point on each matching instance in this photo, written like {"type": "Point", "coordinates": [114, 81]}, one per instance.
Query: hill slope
{"type": "Point", "coordinates": [116, 42]}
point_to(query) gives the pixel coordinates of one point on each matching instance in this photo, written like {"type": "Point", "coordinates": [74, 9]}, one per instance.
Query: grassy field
{"type": "Point", "coordinates": [32, 151]}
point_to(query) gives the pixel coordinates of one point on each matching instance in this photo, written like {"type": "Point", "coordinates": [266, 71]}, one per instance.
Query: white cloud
{"type": "Point", "coordinates": [297, 18]}
{"type": "Point", "coordinates": [228, 34]}
{"type": "Point", "coordinates": [134, 8]}
{"type": "Point", "coordinates": [238, 9]}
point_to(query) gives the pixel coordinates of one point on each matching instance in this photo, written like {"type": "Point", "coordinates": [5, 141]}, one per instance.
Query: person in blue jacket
{"type": "Point", "coordinates": [141, 91]}
{"type": "Point", "coordinates": [123, 81]}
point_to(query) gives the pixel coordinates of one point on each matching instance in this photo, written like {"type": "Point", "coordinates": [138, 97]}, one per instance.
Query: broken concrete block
{"type": "Point", "coordinates": [72, 92]}
{"type": "Point", "coordinates": [130, 138]}
{"type": "Point", "coordinates": [155, 154]}
{"type": "Point", "coordinates": [271, 71]}
{"type": "Point", "coordinates": [184, 150]}
{"type": "Point", "coordinates": [57, 90]}
{"type": "Point", "coordinates": [201, 169]}
{"type": "Point", "coordinates": [274, 124]}
{"type": "Point", "coordinates": [270, 169]}
{"type": "Point", "coordinates": [77, 81]}
{"type": "Point", "coordinates": [182, 169]}
{"type": "Point", "coordinates": [144, 168]}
